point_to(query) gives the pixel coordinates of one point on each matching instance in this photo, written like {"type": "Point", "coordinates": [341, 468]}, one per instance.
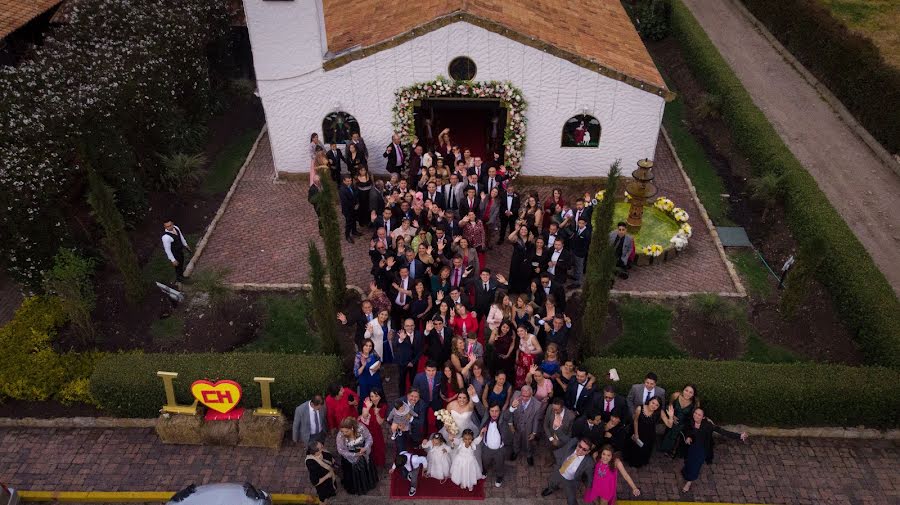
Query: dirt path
{"type": "Point", "coordinates": [861, 188]}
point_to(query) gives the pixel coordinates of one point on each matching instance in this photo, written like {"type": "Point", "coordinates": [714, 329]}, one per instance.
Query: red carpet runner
{"type": "Point", "coordinates": [433, 489]}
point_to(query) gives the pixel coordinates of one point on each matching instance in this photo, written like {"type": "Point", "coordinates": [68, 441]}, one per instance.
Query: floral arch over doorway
{"type": "Point", "coordinates": [510, 98]}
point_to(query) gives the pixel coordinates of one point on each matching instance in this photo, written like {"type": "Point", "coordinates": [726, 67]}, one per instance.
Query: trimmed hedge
{"type": "Point", "coordinates": [126, 385]}
{"type": "Point", "coordinates": [861, 294]}
{"type": "Point", "coordinates": [786, 395]}
{"type": "Point", "coordinates": [849, 64]}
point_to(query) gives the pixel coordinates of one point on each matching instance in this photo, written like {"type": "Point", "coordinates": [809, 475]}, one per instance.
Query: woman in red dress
{"type": "Point", "coordinates": [340, 403]}
{"type": "Point", "coordinates": [464, 322]}
{"type": "Point", "coordinates": [552, 206]}
{"type": "Point", "coordinates": [373, 413]}
{"type": "Point", "coordinates": [529, 348]}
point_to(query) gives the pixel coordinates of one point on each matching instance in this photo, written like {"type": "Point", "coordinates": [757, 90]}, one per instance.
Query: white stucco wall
{"type": "Point", "coordinates": [554, 88]}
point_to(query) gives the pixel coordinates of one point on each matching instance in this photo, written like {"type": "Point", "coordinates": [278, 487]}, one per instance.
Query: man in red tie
{"type": "Point", "coordinates": [610, 403]}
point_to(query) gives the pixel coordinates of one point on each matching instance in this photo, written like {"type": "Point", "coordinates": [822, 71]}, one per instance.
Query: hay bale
{"type": "Point", "coordinates": [262, 431]}
{"type": "Point", "coordinates": [223, 432]}
{"type": "Point", "coordinates": [179, 429]}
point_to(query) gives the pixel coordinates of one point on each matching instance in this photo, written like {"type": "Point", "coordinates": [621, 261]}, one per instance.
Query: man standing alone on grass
{"type": "Point", "coordinates": [174, 244]}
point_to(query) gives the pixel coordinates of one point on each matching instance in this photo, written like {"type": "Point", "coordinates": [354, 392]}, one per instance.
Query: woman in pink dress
{"type": "Point", "coordinates": [606, 473]}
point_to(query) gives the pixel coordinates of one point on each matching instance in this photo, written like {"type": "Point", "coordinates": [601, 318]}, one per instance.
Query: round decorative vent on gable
{"type": "Point", "coordinates": [462, 68]}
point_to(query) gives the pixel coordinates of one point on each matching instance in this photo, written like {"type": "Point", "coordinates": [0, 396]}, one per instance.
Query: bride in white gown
{"type": "Point", "coordinates": [462, 409]}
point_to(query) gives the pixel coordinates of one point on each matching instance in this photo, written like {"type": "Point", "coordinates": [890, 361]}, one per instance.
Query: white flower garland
{"type": "Point", "coordinates": [510, 97]}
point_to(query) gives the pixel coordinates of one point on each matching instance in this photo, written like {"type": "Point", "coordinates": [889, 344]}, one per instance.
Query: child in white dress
{"type": "Point", "coordinates": [465, 470]}
{"type": "Point", "coordinates": [438, 457]}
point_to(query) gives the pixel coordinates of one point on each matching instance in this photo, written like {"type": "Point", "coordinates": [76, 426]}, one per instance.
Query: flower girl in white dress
{"type": "Point", "coordinates": [465, 470]}
{"type": "Point", "coordinates": [438, 457]}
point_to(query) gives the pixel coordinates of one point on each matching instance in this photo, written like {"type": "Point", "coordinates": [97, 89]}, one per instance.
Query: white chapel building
{"type": "Point", "coordinates": [332, 67]}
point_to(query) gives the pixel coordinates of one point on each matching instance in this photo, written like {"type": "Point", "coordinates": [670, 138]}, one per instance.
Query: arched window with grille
{"type": "Point", "coordinates": [582, 130]}
{"type": "Point", "coordinates": [337, 127]}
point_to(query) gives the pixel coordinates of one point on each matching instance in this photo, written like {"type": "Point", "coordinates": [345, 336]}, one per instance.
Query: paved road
{"type": "Point", "coordinates": [858, 184]}
{"type": "Point", "coordinates": [764, 470]}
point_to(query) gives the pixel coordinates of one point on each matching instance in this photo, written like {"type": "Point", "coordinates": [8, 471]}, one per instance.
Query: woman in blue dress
{"type": "Point", "coordinates": [499, 392]}
{"type": "Point", "coordinates": [367, 368]}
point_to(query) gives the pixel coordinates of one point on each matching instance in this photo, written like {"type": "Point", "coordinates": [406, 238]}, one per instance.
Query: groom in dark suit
{"type": "Point", "coordinates": [429, 385]}
{"type": "Point", "coordinates": [496, 438]}
{"type": "Point", "coordinates": [573, 464]}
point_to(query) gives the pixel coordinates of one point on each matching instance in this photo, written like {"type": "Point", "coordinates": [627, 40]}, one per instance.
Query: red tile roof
{"type": "Point", "coordinates": [598, 31]}
{"type": "Point", "coordinates": [15, 14]}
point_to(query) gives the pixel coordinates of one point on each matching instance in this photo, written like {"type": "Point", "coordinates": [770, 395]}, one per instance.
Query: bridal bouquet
{"type": "Point", "coordinates": [444, 416]}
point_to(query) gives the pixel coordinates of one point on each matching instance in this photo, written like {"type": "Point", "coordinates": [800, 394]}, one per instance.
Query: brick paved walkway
{"type": "Point", "coordinates": [764, 470]}
{"type": "Point", "coordinates": [262, 236]}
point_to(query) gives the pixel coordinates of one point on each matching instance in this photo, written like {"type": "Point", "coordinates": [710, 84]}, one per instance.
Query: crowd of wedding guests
{"type": "Point", "coordinates": [484, 361]}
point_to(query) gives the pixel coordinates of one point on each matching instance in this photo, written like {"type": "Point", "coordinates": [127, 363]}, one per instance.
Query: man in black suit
{"type": "Point", "coordinates": [560, 262]}
{"type": "Point", "coordinates": [450, 224]}
{"type": "Point", "coordinates": [386, 220]}
{"type": "Point", "coordinates": [551, 287]}
{"type": "Point", "coordinates": [439, 340]}
{"type": "Point", "coordinates": [359, 320]}
{"type": "Point", "coordinates": [360, 147]}
{"type": "Point", "coordinates": [584, 209]}
{"type": "Point", "coordinates": [475, 182]}
{"type": "Point", "coordinates": [580, 393]}
{"type": "Point", "coordinates": [408, 346]}
{"type": "Point", "coordinates": [609, 404]}
{"type": "Point", "coordinates": [589, 426]}
{"type": "Point", "coordinates": [477, 168]}
{"type": "Point", "coordinates": [557, 332]}
{"type": "Point", "coordinates": [396, 160]}
{"type": "Point", "coordinates": [348, 208]}
{"type": "Point", "coordinates": [470, 203]}
{"type": "Point", "coordinates": [491, 180]}
{"type": "Point", "coordinates": [335, 157]}
{"type": "Point", "coordinates": [551, 235]}
{"type": "Point", "coordinates": [486, 290]}
{"type": "Point", "coordinates": [454, 192]}
{"type": "Point", "coordinates": [418, 270]}
{"type": "Point", "coordinates": [436, 197]}
{"type": "Point", "coordinates": [509, 212]}
{"type": "Point", "coordinates": [377, 201]}
{"type": "Point", "coordinates": [580, 244]}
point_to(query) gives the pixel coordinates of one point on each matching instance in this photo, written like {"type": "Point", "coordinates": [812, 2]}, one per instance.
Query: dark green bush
{"type": "Point", "coordinates": [797, 394]}
{"type": "Point", "coordinates": [861, 294]}
{"type": "Point", "coordinates": [126, 385]}
{"type": "Point", "coordinates": [849, 64]}
{"type": "Point", "coordinates": [653, 18]}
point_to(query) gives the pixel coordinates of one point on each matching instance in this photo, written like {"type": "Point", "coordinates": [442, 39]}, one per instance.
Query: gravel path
{"type": "Point", "coordinates": [858, 184]}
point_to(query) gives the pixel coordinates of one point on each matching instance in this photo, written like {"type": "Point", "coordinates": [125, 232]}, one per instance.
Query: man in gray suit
{"type": "Point", "coordinates": [309, 421]}
{"type": "Point", "coordinates": [496, 437]}
{"type": "Point", "coordinates": [558, 423]}
{"type": "Point", "coordinates": [573, 464]}
{"type": "Point", "coordinates": [640, 394]}
{"type": "Point", "coordinates": [526, 419]}
{"type": "Point", "coordinates": [623, 246]}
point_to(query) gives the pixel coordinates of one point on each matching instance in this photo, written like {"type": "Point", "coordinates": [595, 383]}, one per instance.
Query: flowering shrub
{"type": "Point", "coordinates": [510, 98]}
{"type": "Point", "coordinates": [104, 86]}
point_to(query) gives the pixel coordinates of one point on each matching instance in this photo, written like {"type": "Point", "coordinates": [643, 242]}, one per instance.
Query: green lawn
{"type": "Point", "coordinates": [657, 227]}
{"type": "Point", "coordinates": [703, 175]}
{"type": "Point", "coordinates": [761, 352]}
{"type": "Point", "coordinates": [286, 327]}
{"type": "Point", "coordinates": [225, 166]}
{"type": "Point", "coordinates": [876, 19]}
{"type": "Point", "coordinates": [646, 329]}
{"type": "Point", "coordinates": [757, 279]}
